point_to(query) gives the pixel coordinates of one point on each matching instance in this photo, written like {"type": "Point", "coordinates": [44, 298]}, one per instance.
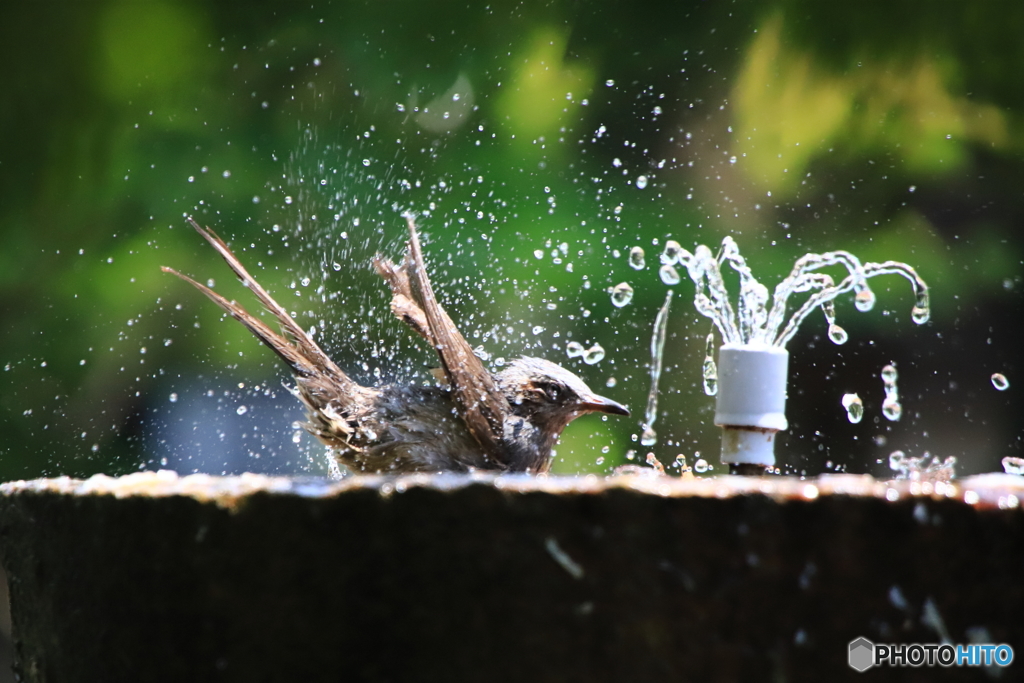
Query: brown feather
{"type": "Point", "coordinates": [477, 398]}
{"type": "Point", "coordinates": [304, 344]}
{"type": "Point", "coordinates": [402, 304]}
{"type": "Point", "coordinates": [281, 346]}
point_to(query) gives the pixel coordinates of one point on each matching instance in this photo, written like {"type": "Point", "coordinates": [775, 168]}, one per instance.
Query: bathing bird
{"type": "Point", "coordinates": [506, 421]}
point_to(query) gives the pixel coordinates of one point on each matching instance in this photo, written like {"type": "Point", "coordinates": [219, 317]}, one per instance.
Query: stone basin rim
{"type": "Point", "coordinates": [998, 490]}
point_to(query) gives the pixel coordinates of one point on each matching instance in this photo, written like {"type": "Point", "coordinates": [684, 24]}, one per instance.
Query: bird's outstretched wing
{"type": "Point", "coordinates": [480, 404]}
{"type": "Point", "coordinates": [403, 303]}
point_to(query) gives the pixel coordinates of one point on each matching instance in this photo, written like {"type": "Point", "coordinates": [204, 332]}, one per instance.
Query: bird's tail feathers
{"type": "Point", "coordinates": [295, 347]}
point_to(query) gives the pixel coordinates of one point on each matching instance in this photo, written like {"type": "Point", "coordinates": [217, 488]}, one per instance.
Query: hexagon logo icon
{"type": "Point", "coordinates": [862, 654]}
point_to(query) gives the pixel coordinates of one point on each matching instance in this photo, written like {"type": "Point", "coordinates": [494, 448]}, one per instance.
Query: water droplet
{"type": "Point", "coordinates": [1000, 382]}
{"type": "Point", "coordinates": [710, 378]}
{"type": "Point", "coordinates": [700, 466]}
{"type": "Point", "coordinates": [537, 329]}
{"type": "Point", "coordinates": [305, 282]}
{"type": "Point", "coordinates": [657, 354]}
{"type": "Point", "coordinates": [242, 410]}
{"type": "Point", "coordinates": [611, 382]}
{"type": "Point", "coordinates": [574, 349]}
{"type": "Point", "coordinates": [889, 375]}
{"type": "Point", "coordinates": [366, 162]}
{"type": "Point", "coordinates": [636, 258]}
{"type": "Point", "coordinates": [622, 294]}
{"type": "Point", "coordinates": [617, 162]}
{"type": "Point", "coordinates": [921, 311]}
{"type": "Point", "coordinates": [669, 275]}
{"type": "Point", "coordinates": [837, 334]}
{"type": "Point", "coordinates": [897, 461]}
{"type": "Point", "coordinates": [892, 409]}
{"type": "Point", "coordinates": [287, 200]}
{"type": "Point", "coordinates": [593, 355]}
{"type": "Point", "coordinates": [710, 371]}
{"type": "Point", "coordinates": [1012, 465]}
{"type": "Point", "coordinates": [641, 182]}
{"type": "Point", "coordinates": [173, 398]}
{"type": "Point", "coordinates": [609, 82]}
{"type": "Point", "coordinates": [854, 407]}
{"type": "Point", "coordinates": [829, 309]}
{"type": "Point", "coordinates": [864, 300]}
{"type": "Point", "coordinates": [670, 256]}
{"type": "Point", "coordinates": [336, 265]}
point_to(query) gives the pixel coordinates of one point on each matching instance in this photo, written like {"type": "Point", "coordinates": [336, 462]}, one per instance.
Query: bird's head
{"type": "Point", "coordinates": [549, 396]}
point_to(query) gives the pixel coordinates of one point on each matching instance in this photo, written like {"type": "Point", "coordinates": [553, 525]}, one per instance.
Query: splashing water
{"type": "Point", "coordinates": [710, 369]}
{"type": "Point", "coordinates": [649, 437]}
{"type": "Point", "coordinates": [854, 407]}
{"type": "Point", "coordinates": [891, 407]}
{"type": "Point", "coordinates": [757, 324]}
{"type": "Point", "coordinates": [1012, 465]}
{"type": "Point", "coordinates": [636, 258]}
{"type": "Point", "coordinates": [670, 256]}
{"type": "Point", "coordinates": [593, 355]}
{"type": "Point", "coordinates": [919, 469]}
{"type": "Point", "coordinates": [669, 275]}
{"type": "Point", "coordinates": [622, 294]}
{"type": "Point", "coordinates": [653, 461]}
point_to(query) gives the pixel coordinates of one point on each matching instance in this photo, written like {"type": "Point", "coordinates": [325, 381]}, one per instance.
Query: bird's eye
{"type": "Point", "coordinates": [551, 391]}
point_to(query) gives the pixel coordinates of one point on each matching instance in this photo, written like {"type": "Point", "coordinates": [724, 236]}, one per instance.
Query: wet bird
{"type": "Point", "coordinates": [507, 421]}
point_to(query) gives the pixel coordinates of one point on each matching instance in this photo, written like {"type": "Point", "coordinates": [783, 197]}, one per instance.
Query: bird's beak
{"type": "Point", "coordinates": [600, 404]}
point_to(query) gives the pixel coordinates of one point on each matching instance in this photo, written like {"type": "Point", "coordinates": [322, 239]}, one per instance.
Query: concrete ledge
{"type": "Point", "coordinates": [153, 577]}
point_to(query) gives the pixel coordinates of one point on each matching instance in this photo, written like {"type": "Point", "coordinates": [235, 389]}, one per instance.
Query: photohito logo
{"type": "Point", "coordinates": [863, 654]}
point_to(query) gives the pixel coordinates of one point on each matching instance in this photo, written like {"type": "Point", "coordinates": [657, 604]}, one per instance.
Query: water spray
{"type": "Point", "coordinates": [750, 377]}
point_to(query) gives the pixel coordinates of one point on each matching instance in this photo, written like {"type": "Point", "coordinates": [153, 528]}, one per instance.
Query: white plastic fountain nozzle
{"type": "Point", "coordinates": [751, 405]}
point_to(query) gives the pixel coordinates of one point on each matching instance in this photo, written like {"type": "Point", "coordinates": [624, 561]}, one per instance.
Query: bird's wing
{"type": "Point", "coordinates": [480, 404]}
{"type": "Point", "coordinates": [403, 305]}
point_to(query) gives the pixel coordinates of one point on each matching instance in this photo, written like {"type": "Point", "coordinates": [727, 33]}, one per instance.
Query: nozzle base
{"type": "Point", "coordinates": [747, 445]}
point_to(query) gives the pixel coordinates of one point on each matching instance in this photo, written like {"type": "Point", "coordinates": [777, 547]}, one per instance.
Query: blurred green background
{"type": "Point", "coordinates": [539, 142]}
